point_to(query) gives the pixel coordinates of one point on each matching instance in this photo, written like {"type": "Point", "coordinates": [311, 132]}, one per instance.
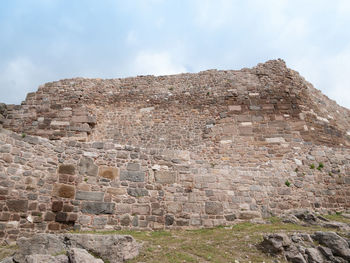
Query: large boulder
{"type": "Point", "coordinates": [79, 248]}
{"type": "Point", "coordinates": [47, 244]}
{"type": "Point", "coordinates": [114, 248]}
{"type": "Point", "coordinates": [79, 255]}
{"type": "Point", "coordinates": [338, 245]}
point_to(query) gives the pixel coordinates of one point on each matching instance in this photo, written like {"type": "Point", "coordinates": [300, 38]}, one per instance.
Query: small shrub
{"type": "Point", "coordinates": [296, 170]}
{"type": "Point", "coordinates": [85, 179]}
{"type": "Point", "coordinates": [312, 166]}
{"type": "Point", "coordinates": [338, 213]}
{"type": "Point", "coordinates": [171, 88]}
{"type": "Point", "coordinates": [287, 183]}
{"type": "Point", "coordinates": [24, 135]}
{"type": "Point", "coordinates": [320, 166]}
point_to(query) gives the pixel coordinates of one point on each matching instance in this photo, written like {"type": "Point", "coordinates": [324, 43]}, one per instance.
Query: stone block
{"type": "Point", "coordinates": [63, 190]}
{"type": "Point", "coordinates": [133, 167]}
{"type": "Point", "coordinates": [57, 206]}
{"type": "Point", "coordinates": [234, 108]}
{"type": "Point", "coordinates": [110, 173]}
{"type": "Point", "coordinates": [97, 208]}
{"type": "Point", "coordinates": [249, 215]}
{"type": "Point", "coordinates": [213, 208]}
{"type": "Point", "coordinates": [66, 169]}
{"type": "Point", "coordinates": [165, 177]}
{"type": "Point", "coordinates": [82, 119]}
{"type": "Point", "coordinates": [61, 217]}
{"type": "Point", "coordinates": [86, 166]}
{"type": "Point", "coordinates": [141, 209]}
{"type": "Point", "coordinates": [125, 220]}
{"type": "Point", "coordinates": [17, 205]}
{"type": "Point", "coordinates": [116, 191]}
{"type": "Point", "coordinates": [137, 192]}
{"type": "Point", "coordinates": [133, 176]}
{"type": "Point", "coordinates": [275, 140]}
{"type": "Point", "coordinates": [230, 217]}
{"type": "Point", "coordinates": [169, 220]}
{"type": "Point", "coordinates": [89, 196]}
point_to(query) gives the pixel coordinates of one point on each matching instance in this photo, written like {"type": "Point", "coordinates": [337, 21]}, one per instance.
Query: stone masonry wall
{"type": "Point", "coordinates": [50, 186]}
{"type": "Point", "coordinates": [182, 151]}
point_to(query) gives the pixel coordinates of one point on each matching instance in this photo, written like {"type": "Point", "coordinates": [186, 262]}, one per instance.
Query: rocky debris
{"type": "Point", "coordinates": [79, 255]}
{"type": "Point", "coordinates": [301, 248]}
{"type": "Point", "coordinates": [307, 218]}
{"type": "Point", "coordinates": [75, 248]}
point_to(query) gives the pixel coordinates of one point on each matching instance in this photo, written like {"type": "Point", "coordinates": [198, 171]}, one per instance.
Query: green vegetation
{"type": "Point", "coordinates": [24, 135]}
{"type": "Point", "coordinates": [320, 166]}
{"type": "Point", "coordinates": [287, 183]}
{"type": "Point", "coordinates": [220, 244]}
{"type": "Point", "coordinates": [312, 166]}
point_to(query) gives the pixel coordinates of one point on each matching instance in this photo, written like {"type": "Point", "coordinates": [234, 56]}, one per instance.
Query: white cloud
{"type": "Point", "coordinates": [214, 14]}
{"type": "Point", "coordinates": [156, 63]}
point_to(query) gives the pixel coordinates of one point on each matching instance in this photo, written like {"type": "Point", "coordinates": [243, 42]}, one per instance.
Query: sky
{"type": "Point", "coordinates": [48, 40]}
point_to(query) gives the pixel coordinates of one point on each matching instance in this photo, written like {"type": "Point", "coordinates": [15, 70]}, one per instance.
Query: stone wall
{"type": "Point", "coordinates": [50, 186]}
{"type": "Point", "coordinates": [183, 151]}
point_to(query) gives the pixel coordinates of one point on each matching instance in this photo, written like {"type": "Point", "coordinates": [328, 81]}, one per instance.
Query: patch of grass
{"type": "Point", "coordinates": [287, 183]}
{"type": "Point", "coordinates": [312, 166]}
{"type": "Point", "coordinates": [320, 166]}
{"type": "Point", "coordinates": [24, 135]}
{"type": "Point", "coordinates": [338, 217]}
{"type": "Point", "coordinates": [7, 251]}
{"type": "Point", "coordinates": [63, 252]}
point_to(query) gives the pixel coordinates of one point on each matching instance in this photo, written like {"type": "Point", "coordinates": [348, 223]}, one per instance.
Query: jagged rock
{"type": "Point", "coordinates": [289, 218]}
{"type": "Point", "coordinates": [40, 258]}
{"type": "Point", "coordinates": [336, 243]}
{"type": "Point", "coordinates": [79, 255]}
{"type": "Point", "coordinates": [314, 255]}
{"type": "Point", "coordinates": [276, 243]}
{"type": "Point", "coordinates": [114, 248]}
{"type": "Point", "coordinates": [307, 216]}
{"type": "Point", "coordinates": [7, 260]}
{"type": "Point", "coordinates": [39, 244]}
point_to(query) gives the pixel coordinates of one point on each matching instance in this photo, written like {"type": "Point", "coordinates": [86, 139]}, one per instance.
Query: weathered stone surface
{"type": "Point", "coordinates": [48, 244]}
{"type": "Point", "coordinates": [17, 205]}
{"type": "Point", "coordinates": [111, 173]}
{"type": "Point", "coordinates": [66, 169]}
{"type": "Point", "coordinates": [133, 176]}
{"type": "Point", "coordinates": [249, 214]}
{"type": "Point", "coordinates": [137, 192]}
{"type": "Point", "coordinates": [79, 255]}
{"type": "Point", "coordinates": [52, 248]}
{"type": "Point", "coordinates": [114, 248]}
{"type": "Point", "coordinates": [275, 243]}
{"type": "Point", "coordinates": [63, 190]}
{"type": "Point", "coordinates": [165, 177]}
{"type": "Point", "coordinates": [97, 208]}
{"type": "Point", "coordinates": [89, 196]}
{"type": "Point", "coordinates": [141, 209]}
{"type": "Point", "coordinates": [338, 245]}
{"type": "Point", "coordinates": [213, 208]}
{"type": "Point", "coordinates": [86, 166]}
{"type": "Point", "coordinates": [314, 255]}
{"type": "Point", "coordinates": [40, 258]}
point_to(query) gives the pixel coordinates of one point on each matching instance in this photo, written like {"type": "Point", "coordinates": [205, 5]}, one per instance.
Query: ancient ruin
{"type": "Point", "coordinates": [181, 151]}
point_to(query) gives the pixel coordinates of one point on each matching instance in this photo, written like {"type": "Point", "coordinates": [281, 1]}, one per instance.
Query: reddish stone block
{"type": "Point", "coordinates": [57, 206]}
{"type": "Point", "coordinates": [68, 208]}
{"type": "Point", "coordinates": [32, 206]}
{"type": "Point", "coordinates": [66, 169]}
{"type": "Point", "coordinates": [54, 226]}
